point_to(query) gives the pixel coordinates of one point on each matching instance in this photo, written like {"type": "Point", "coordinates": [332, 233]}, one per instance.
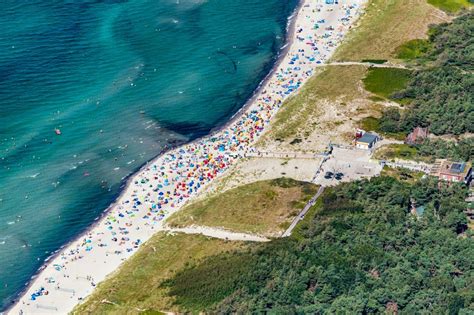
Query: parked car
{"type": "Point", "coordinates": [328, 175]}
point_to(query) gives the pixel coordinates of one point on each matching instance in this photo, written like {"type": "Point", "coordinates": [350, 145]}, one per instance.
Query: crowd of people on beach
{"type": "Point", "coordinates": [165, 184]}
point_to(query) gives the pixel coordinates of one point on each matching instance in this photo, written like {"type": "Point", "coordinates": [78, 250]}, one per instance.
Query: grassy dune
{"type": "Point", "coordinates": [296, 115]}
{"type": "Point", "coordinates": [386, 25]}
{"type": "Point", "coordinates": [136, 287]}
{"type": "Point", "coordinates": [264, 207]}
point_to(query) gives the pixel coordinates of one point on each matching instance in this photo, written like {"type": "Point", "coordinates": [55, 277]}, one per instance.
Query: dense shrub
{"type": "Point", "coordinates": [442, 94]}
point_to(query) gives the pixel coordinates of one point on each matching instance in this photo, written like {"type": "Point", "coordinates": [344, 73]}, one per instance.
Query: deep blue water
{"type": "Point", "coordinates": [121, 80]}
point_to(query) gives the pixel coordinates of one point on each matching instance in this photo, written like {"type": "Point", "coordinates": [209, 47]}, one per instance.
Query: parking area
{"type": "Point", "coordinates": [346, 165]}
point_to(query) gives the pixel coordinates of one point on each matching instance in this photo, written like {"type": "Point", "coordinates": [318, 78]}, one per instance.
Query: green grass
{"type": "Point", "coordinates": [401, 136]}
{"type": "Point", "coordinates": [137, 284]}
{"type": "Point", "coordinates": [370, 124]}
{"type": "Point", "coordinates": [385, 81]}
{"type": "Point", "coordinates": [402, 174]}
{"type": "Point", "coordinates": [262, 207]}
{"type": "Point", "coordinates": [451, 6]}
{"type": "Point", "coordinates": [376, 98]}
{"type": "Point", "coordinates": [413, 49]}
{"type": "Point", "coordinates": [397, 151]}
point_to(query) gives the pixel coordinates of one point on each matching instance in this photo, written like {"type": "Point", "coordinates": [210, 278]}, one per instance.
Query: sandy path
{"type": "Point", "coordinates": [218, 233]}
{"type": "Point", "coordinates": [367, 64]}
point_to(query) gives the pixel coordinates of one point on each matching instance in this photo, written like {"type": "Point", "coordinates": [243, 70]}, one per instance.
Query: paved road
{"type": "Point", "coordinates": [303, 212]}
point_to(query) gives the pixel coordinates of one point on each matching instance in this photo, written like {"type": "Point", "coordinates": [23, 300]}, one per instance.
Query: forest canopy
{"type": "Point", "coordinates": [363, 252]}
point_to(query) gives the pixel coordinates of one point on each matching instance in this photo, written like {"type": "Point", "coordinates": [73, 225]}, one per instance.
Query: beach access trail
{"type": "Point", "coordinates": [303, 212]}
{"type": "Point", "coordinates": [367, 64]}
{"type": "Point", "coordinates": [218, 233]}
{"type": "Point", "coordinates": [165, 184]}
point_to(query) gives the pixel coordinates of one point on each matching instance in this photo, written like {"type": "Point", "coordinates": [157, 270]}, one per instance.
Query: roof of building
{"type": "Point", "coordinates": [367, 138]}
{"type": "Point", "coordinates": [417, 135]}
{"type": "Point", "coordinates": [454, 168]}
{"type": "Point", "coordinates": [458, 167]}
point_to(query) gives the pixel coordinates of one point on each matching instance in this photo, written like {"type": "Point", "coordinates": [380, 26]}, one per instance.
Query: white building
{"type": "Point", "coordinates": [367, 141]}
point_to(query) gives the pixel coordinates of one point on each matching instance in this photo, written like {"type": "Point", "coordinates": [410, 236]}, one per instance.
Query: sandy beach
{"type": "Point", "coordinates": [164, 185]}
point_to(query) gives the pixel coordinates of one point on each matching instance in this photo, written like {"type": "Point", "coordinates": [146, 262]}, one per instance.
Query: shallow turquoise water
{"type": "Point", "coordinates": [121, 80]}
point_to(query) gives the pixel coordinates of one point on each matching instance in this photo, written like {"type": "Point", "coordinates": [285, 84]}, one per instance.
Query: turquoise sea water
{"type": "Point", "coordinates": [121, 80]}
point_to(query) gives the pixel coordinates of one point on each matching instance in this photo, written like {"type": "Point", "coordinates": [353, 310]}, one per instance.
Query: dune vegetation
{"type": "Point", "coordinates": [264, 207]}
{"type": "Point", "coordinates": [413, 49]}
{"type": "Point", "coordinates": [298, 114]}
{"type": "Point", "coordinates": [387, 25]}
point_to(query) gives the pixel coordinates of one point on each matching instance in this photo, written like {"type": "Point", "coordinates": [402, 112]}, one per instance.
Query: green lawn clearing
{"type": "Point", "coordinates": [385, 81]}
